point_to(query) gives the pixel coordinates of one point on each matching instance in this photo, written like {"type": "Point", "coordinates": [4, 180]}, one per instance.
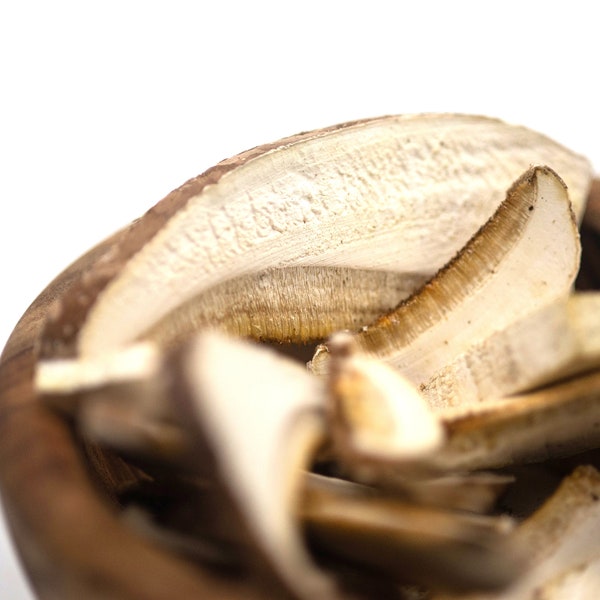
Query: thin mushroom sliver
{"type": "Point", "coordinates": [555, 421]}
{"type": "Point", "coordinates": [525, 256]}
{"type": "Point", "coordinates": [560, 340]}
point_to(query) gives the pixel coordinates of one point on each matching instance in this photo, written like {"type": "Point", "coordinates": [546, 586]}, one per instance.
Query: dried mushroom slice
{"type": "Point", "coordinates": [118, 400]}
{"type": "Point", "coordinates": [562, 542]}
{"type": "Point", "coordinates": [554, 421]}
{"type": "Point", "coordinates": [255, 446]}
{"type": "Point", "coordinates": [407, 542]}
{"type": "Point", "coordinates": [397, 194]}
{"type": "Point", "coordinates": [525, 256]}
{"type": "Point", "coordinates": [64, 377]}
{"type": "Point", "coordinates": [558, 341]}
{"type": "Point", "coordinates": [376, 416]}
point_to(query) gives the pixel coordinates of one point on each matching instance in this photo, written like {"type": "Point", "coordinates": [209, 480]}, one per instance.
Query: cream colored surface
{"type": "Point", "coordinates": [559, 340]}
{"type": "Point", "coordinates": [526, 257]}
{"type": "Point", "coordinates": [400, 193]}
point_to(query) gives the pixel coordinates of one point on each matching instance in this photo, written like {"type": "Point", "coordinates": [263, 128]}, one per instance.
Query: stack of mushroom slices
{"type": "Point", "coordinates": [442, 451]}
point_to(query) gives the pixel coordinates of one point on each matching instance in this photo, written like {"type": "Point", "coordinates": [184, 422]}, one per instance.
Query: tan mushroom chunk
{"type": "Point", "coordinates": [376, 416]}
{"type": "Point", "coordinates": [560, 340]}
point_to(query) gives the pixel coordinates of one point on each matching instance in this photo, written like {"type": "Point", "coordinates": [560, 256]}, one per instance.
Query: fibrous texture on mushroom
{"type": "Point", "coordinates": [426, 266]}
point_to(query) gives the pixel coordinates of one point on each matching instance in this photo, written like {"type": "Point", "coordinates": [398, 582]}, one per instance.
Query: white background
{"type": "Point", "coordinates": [105, 107]}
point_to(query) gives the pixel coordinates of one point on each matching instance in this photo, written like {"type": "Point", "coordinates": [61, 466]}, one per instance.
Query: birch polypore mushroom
{"type": "Point", "coordinates": [290, 243]}
{"type": "Point", "coordinates": [527, 255]}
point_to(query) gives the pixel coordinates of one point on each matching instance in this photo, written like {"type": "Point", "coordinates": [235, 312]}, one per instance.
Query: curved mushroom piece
{"type": "Point", "coordinates": [559, 420]}
{"type": "Point", "coordinates": [407, 542]}
{"type": "Point", "coordinates": [527, 255]}
{"type": "Point", "coordinates": [398, 194]}
{"type": "Point", "coordinates": [256, 420]}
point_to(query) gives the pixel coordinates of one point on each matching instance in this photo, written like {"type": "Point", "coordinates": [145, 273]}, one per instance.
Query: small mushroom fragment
{"type": "Point", "coordinates": [525, 256]}
{"type": "Point", "coordinates": [376, 416]}
{"type": "Point", "coordinates": [117, 398]}
{"type": "Point", "coordinates": [554, 421]}
{"type": "Point", "coordinates": [558, 341]}
{"type": "Point", "coordinates": [63, 377]}
{"type": "Point", "coordinates": [562, 542]}
{"type": "Point", "coordinates": [408, 542]}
